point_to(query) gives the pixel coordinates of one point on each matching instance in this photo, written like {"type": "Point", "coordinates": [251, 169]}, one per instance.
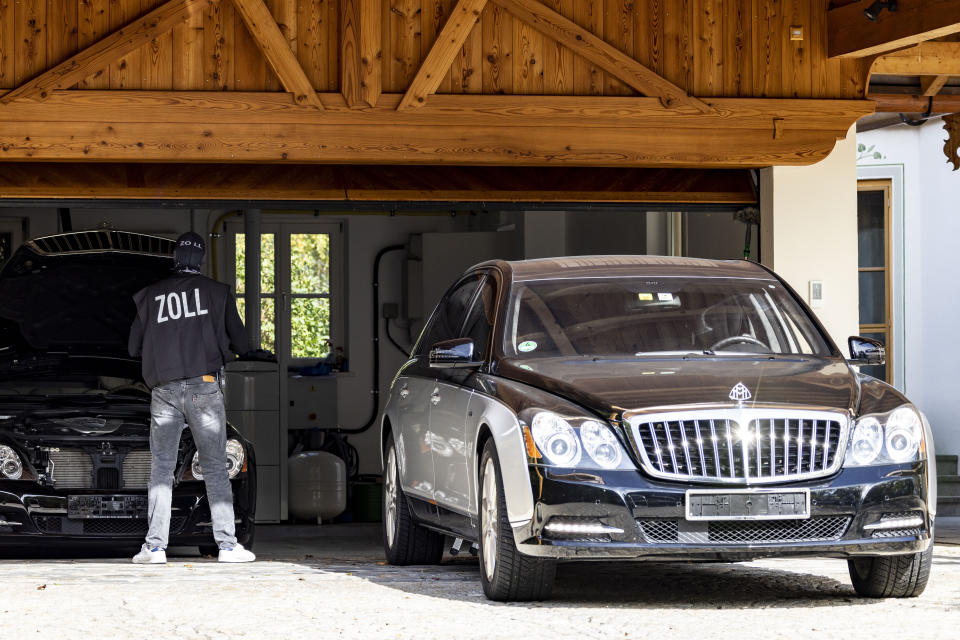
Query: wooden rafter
{"type": "Point", "coordinates": [924, 59]}
{"type": "Point", "coordinates": [360, 52]}
{"type": "Point", "coordinates": [931, 85]}
{"type": "Point", "coordinates": [851, 35]}
{"type": "Point", "coordinates": [266, 33]}
{"type": "Point", "coordinates": [599, 52]}
{"type": "Point", "coordinates": [462, 19]}
{"type": "Point", "coordinates": [132, 126]}
{"type": "Point", "coordinates": [905, 103]}
{"type": "Point", "coordinates": [103, 52]}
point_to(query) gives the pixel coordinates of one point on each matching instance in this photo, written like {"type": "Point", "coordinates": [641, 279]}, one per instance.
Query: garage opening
{"type": "Point", "coordinates": [380, 255]}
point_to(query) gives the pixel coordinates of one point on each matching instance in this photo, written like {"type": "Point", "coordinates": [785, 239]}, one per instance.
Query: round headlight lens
{"type": "Point", "coordinates": [235, 457]}
{"type": "Point", "coordinates": [601, 444]}
{"type": "Point", "coordinates": [556, 439]}
{"type": "Point", "coordinates": [867, 441]}
{"type": "Point", "coordinates": [10, 464]}
{"type": "Point", "coordinates": [904, 433]}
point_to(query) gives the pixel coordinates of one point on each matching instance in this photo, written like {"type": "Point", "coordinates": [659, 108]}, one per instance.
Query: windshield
{"type": "Point", "coordinates": [657, 316]}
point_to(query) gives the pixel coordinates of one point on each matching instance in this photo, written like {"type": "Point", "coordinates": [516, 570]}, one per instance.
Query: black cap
{"type": "Point", "coordinates": [190, 250]}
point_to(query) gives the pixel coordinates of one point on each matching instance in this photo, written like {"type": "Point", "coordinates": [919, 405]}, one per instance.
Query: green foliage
{"type": "Point", "coordinates": [309, 274]}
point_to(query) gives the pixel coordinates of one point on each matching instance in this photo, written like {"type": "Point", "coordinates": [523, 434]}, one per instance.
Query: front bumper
{"type": "Point", "coordinates": [31, 514]}
{"type": "Point", "coordinates": [651, 517]}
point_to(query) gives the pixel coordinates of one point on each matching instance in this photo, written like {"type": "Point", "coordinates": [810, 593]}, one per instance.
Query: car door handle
{"type": "Point", "coordinates": [435, 398]}
{"type": "Point", "coordinates": [404, 393]}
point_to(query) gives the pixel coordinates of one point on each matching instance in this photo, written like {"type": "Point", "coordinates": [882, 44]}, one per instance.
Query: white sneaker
{"type": "Point", "coordinates": [156, 555]}
{"type": "Point", "coordinates": [237, 554]}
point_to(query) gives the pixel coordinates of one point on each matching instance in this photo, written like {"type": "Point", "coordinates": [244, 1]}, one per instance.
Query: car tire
{"type": "Point", "coordinates": [404, 541]}
{"type": "Point", "coordinates": [507, 575]}
{"type": "Point", "coordinates": [891, 576]}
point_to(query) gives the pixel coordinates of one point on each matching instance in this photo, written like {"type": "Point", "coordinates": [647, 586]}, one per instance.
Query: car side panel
{"type": "Point", "coordinates": [447, 438]}
{"type": "Point", "coordinates": [409, 417]}
{"type": "Point", "coordinates": [504, 427]}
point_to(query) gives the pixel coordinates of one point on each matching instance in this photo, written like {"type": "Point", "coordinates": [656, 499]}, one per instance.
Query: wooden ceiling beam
{"type": "Point", "coordinates": [435, 65]}
{"type": "Point", "coordinates": [599, 52]}
{"type": "Point", "coordinates": [360, 52]}
{"type": "Point", "coordinates": [273, 45]}
{"type": "Point", "coordinates": [924, 59]}
{"type": "Point", "coordinates": [931, 85]}
{"type": "Point", "coordinates": [465, 129]}
{"type": "Point", "coordinates": [906, 103]}
{"type": "Point", "coordinates": [851, 35]}
{"type": "Point", "coordinates": [100, 54]}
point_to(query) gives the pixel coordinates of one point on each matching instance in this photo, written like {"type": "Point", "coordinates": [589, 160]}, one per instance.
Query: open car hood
{"type": "Point", "coordinates": [73, 292]}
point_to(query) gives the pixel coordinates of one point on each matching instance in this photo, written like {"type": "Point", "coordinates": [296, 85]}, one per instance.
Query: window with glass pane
{"type": "Point", "coordinates": [873, 244]}
{"type": "Point", "coordinates": [309, 294]}
{"type": "Point", "coordinates": [268, 323]}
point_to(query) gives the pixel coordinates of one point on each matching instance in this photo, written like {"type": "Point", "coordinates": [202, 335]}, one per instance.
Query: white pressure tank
{"type": "Point", "coordinates": [317, 485]}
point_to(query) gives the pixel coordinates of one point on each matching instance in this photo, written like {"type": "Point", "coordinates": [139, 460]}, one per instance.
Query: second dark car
{"type": "Point", "coordinates": [74, 411]}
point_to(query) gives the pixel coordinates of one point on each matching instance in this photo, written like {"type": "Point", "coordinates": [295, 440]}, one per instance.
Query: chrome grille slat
{"type": "Point", "coordinates": [753, 445]}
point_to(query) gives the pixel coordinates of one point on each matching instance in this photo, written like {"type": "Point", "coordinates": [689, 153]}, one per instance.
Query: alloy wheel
{"type": "Point", "coordinates": [391, 494]}
{"type": "Point", "coordinates": [489, 518]}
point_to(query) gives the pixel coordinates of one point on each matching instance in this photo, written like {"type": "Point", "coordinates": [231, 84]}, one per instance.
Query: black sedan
{"type": "Point", "coordinates": [649, 408]}
{"type": "Point", "coordinates": [74, 411]}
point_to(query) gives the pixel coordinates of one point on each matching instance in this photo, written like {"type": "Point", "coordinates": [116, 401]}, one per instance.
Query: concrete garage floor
{"type": "Point", "coordinates": [331, 582]}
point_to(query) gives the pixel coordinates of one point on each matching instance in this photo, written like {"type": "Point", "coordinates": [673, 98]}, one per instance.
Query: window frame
{"type": "Point", "coordinates": [283, 227]}
{"type": "Point", "coordinates": [885, 186]}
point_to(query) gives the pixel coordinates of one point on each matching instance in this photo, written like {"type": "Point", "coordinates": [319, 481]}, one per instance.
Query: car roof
{"type": "Point", "coordinates": [624, 266]}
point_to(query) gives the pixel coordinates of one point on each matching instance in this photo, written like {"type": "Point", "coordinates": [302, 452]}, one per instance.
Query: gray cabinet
{"type": "Point", "coordinates": [252, 399]}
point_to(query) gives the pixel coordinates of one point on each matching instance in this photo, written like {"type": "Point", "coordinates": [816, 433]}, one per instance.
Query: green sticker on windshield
{"type": "Point", "coordinates": [527, 345]}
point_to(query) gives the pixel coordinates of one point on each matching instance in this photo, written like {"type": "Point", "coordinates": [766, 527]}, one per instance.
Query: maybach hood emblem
{"type": "Point", "coordinates": [740, 392]}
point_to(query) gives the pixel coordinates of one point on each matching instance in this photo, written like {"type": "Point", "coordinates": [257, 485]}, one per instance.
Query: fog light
{"type": "Point", "coordinates": [579, 527]}
{"type": "Point", "coordinates": [908, 522]}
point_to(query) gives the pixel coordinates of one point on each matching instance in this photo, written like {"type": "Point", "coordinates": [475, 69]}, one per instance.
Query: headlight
{"type": "Point", "coordinates": [235, 457]}
{"type": "Point", "coordinates": [562, 441]}
{"type": "Point", "coordinates": [10, 464]}
{"type": "Point", "coordinates": [893, 437]}
{"type": "Point", "coordinates": [556, 439]}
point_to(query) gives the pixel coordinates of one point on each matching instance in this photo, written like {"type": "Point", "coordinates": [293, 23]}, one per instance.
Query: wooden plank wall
{"type": "Point", "coordinates": [710, 47]}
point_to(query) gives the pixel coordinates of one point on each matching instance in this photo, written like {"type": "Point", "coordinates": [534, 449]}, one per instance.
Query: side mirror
{"type": "Point", "coordinates": [866, 351]}
{"type": "Point", "coordinates": [453, 354]}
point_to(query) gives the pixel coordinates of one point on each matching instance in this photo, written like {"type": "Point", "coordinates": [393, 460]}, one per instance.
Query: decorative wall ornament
{"type": "Point", "coordinates": [951, 124]}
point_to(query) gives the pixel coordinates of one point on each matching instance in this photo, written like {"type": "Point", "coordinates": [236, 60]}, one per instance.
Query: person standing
{"type": "Point", "coordinates": [185, 329]}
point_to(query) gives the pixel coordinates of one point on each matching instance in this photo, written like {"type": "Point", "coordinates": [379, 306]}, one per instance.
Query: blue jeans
{"type": "Point", "coordinates": [199, 405]}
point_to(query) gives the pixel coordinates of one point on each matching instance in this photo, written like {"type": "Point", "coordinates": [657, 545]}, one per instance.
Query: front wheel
{"type": "Point", "coordinates": [506, 574]}
{"type": "Point", "coordinates": [404, 541]}
{"type": "Point", "coordinates": [891, 576]}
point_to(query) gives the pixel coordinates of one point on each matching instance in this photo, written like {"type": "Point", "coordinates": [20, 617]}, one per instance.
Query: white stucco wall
{"type": "Point", "coordinates": [809, 232]}
{"type": "Point", "coordinates": [930, 305]}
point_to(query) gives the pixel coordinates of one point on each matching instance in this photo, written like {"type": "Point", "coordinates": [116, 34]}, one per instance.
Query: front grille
{"type": "Point", "coordinates": [136, 469]}
{"type": "Point", "coordinates": [820, 529]}
{"type": "Point", "coordinates": [101, 526]}
{"type": "Point", "coordinates": [73, 469]}
{"type": "Point", "coordinates": [740, 446]}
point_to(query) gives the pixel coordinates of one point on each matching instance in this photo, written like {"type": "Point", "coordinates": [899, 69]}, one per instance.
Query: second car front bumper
{"type": "Point", "coordinates": [646, 519]}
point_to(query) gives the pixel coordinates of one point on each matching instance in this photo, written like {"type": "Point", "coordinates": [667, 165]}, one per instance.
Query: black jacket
{"type": "Point", "coordinates": [186, 326]}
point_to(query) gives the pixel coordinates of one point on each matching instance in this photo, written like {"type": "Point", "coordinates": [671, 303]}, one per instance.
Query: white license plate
{"type": "Point", "coordinates": [747, 504]}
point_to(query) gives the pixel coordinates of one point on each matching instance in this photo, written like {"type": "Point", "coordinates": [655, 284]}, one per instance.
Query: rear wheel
{"type": "Point", "coordinates": [506, 574]}
{"type": "Point", "coordinates": [404, 541]}
{"type": "Point", "coordinates": [891, 576]}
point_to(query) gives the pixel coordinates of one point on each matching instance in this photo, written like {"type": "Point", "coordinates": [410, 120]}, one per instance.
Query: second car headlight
{"type": "Point", "coordinates": [562, 444]}
{"type": "Point", "coordinates": [235, 458]}
{"type": "Point", "coordinates": [893, 437]}
{"type": "Point", "coordinates": [11, 466]}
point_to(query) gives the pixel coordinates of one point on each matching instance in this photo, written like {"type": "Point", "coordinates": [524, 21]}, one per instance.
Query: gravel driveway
{"type": "Point", "coordinates": [331, 583]}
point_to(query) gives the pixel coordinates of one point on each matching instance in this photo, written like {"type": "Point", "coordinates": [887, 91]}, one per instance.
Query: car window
{"type": "Point", "coordinates": [480, 318]}
{"type": "Point", "coordinates": [448, 317]}
{"type": "Point", "coordinates": [666, 315]}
